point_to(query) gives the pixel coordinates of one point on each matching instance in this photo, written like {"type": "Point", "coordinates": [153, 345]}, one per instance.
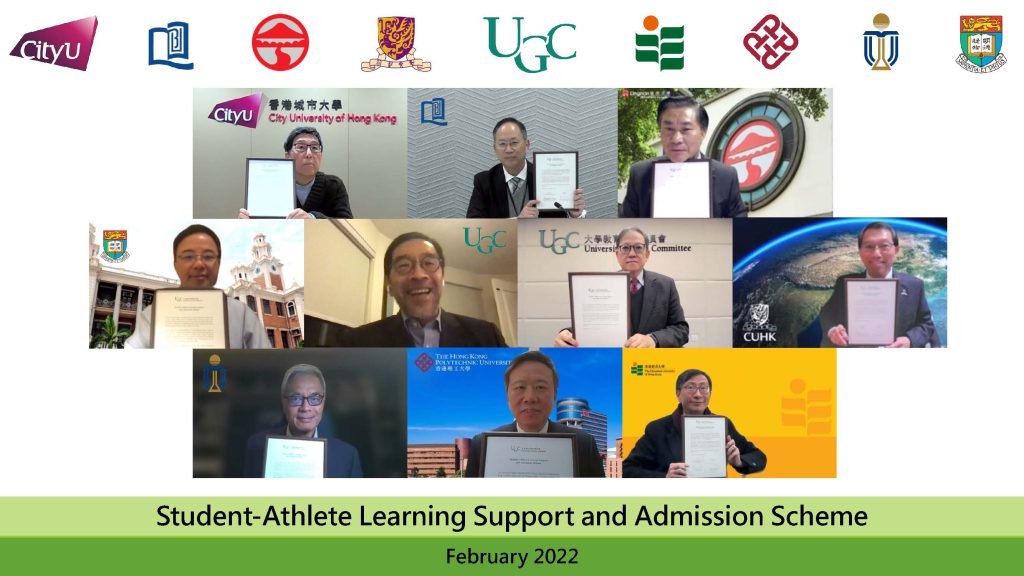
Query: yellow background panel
{"type": "Point", "coordinates": [782, 400]}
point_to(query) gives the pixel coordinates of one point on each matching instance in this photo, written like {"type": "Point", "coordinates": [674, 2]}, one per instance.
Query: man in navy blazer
{"type": "Point", "coordinates": [655, 311]}
{"type": "Point", "coordinates": [414, 270]}
{"type": "Point", "coordinates": [509, 189]}
{"type": "Point", "coordinates": [682, 123]}
{"type": "Point", "coordinates": [879, 245]}
{"type": "Point", "coordinates": [531, 385]}
{"type": "Point", "coordinates": [303, 390]}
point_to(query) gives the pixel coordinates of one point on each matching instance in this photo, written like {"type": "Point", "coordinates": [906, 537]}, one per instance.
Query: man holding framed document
{"type": "Point", "coordinates": [197, 315]}
{"type": "Point", "coordinates": [683, 183]}
{"type": "Point", "coordinates": [532, 445]}
{"type": "Point", "coordinates": [547, 187]}
{"type": "Point", "coordinates": [648, 314]}
{"type": "Point", "coordinates": [294, 187]}
{"type": "Point", "coordinates": [692, 442]}
{"type": "Point", "coordinates": [878, 307]}
{"type": "Point", "coordinates": [296, 450]}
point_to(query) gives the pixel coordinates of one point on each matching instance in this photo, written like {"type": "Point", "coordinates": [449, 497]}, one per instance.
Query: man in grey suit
{"type": "Point", "coordinates": [879, 245]}
{"type": "Point", "coordinates": [531, 384]}
{"type": "Point", "coordinates": [655, 311]}
{"type": "Point", "coordinates": [682, 124]}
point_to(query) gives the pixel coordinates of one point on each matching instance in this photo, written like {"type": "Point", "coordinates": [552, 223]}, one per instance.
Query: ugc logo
{"type": "Point", "coordinates": [484, 244]}
{"type": "Point", "coordinates": [548, 41]}
{"type": "Point", "coordinates": [558, 245]}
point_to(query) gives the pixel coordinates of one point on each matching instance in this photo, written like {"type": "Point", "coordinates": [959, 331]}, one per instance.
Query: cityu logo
{"type": "Point", "coordinates": [482, 241]}
{"type": "Point", "coordinates": [558, 245]}
{"type": "Point", "coordinates": [68, 45]}
{"type": "Point", "coordinates": [244, 111]}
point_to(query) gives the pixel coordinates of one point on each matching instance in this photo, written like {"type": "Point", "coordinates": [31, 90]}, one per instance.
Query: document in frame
{"type": "Point", "coordinates": [520, 455]}
{"type": "Point", "coordinates": [269, 187]}
{"type": "Point", "coordinates": [557, 174]}
{"type": "Point", "coordinates": [290, 457]}
{"type": "Point", "coordinates": [184, 318]}
{"type": "Point", "coordinates": [871, 311]}
{"type": "Point", "coordinates": [681, 189]}
{"type": "Point", "coordinates": [599, 304]}
{"type": "Point", "coordinates": [704, 446]}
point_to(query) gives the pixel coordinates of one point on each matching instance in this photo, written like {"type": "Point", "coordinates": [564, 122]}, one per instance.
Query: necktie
{"type": "Point", "coordinates": [634, 285]}
{"type": "Point", "coordinates": [514, 183]}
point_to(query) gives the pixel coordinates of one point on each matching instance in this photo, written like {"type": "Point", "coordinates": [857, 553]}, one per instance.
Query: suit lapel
{"type": "Point", "coordinates": [451, 331]}
{"type": "Point", "coordinates": [648, 305]}
{"type": "Point", "coordinates": [500, 190]}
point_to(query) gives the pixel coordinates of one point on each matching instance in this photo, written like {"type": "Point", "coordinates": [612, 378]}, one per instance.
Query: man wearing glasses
{"type": "Point", "coordinates": [303, 390]}
{"type": "Point", "coordinates": [682, 124]}
{"type": "Point", "coordinates": [197, 263]}
{"type": "Point", "coordinates": [509, 189]}
{"type": "Point", "coordinates": [879, 245]}
{"type": "Point", "coordinates": [414, 269]}
{"type": "Point", "coordinates": [658, 453]}
{"type": "Point", "coordinates": [317, 195]}
{"type": "Point", "coordinates": [655, 312]}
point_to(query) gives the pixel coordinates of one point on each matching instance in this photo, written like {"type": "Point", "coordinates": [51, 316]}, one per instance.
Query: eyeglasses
{"type": "Point", "coordinates": [404, 266]}
{"type": "Point", "coordinates": [298, 399]}
{"type": "Point", "coordinates": [627, 248]}
{"type": "Point", "coordinates": [883, 247]}
{"type": "Point", "coordinates": [301, 148]}
{"type": "Point", "coordinates": [690, 388]}
{"type": "Point", "coordinates": [190, 258]}
{"type": "Point", "coordinates": [513, 144]}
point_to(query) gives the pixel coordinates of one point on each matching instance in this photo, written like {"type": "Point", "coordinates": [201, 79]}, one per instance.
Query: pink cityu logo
{"type": "Point", "coordinates": [244, 111]}
{"type": "Point", "coordinates": [68, 45]}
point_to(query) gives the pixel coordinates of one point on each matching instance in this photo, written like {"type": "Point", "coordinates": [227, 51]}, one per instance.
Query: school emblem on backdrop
{"type": "Point", "coordinates": [881, 46]}
{"type": "Point", "coordinates": [115, 245]}
{"type": "Point", "coordinates": [432, 112]}
{"type": "Point", "coordinates": [664, 47]}
{"type": "Point", "coordinates": [395, 37]}
{"type": "Point", "coordinates": [280, 42]}
{"type": "Point", "coordinates": [215, 376]}
{"type": "Point", "coordinates": [770, 41]}
{"type": "Point", "coordinates": [981, 37]}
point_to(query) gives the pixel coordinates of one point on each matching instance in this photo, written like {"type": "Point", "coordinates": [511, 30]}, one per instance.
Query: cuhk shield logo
{"type": "Point", "coordinates": [754, 152]}
{"type": "Point", "coordinates": [280, 42]}
{"type": "Point", "coordinates": [68, 45]}
{"type": "Point", "coordinates": [395, 35]}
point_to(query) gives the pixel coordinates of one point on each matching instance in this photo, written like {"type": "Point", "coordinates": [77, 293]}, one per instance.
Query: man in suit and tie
{"type": "Point", "coordinates": [414, 270]}
{"type": "Point", "coordinates": [879, 245]}
{"type": "Point", "coordinates": [509, 189]}
{"type": "Point", "coordinates": [531, 385]}
{"type": "Point", "coordinates": [682, 124]}
{"type": "Point", "coordinates": [303, 390]}
{"type": "Point", "coordinates": [655, 311]}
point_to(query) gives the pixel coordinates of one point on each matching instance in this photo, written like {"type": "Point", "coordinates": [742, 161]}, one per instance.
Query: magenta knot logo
{"type": "Point", "coordinates": [244, 111]}
{"type": "Point", "coordinates": [424, 362]}
{"type": "Point", "coordinates": [67, 45]}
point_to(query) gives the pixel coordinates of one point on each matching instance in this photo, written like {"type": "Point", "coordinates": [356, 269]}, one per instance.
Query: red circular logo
{"type": "Point", "coordinates": [280, 42]}
{"type": "Point", "coordinates": [754, 151]}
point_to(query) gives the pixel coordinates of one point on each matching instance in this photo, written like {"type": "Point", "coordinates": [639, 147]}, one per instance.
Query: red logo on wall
{"type": "Point", "coordinates": [280, 42]}
{"type": "Point", "coordinates": [753, 151]}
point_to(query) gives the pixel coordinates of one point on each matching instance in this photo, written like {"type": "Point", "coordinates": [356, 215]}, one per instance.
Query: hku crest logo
{"type": "Point", "coordinates": [424, 362]}
{"type": "Point", "coordinates": [68, 45]}
{"type": "Point", "coordinates": [169, 46]}
{"type": "Point", "coordinates": [484, 244]}
{"type": "Point", "coordinates": [115, 245]}
{"type": "Point", "coordinates": [280, 42]}
{"type": "Point", "coordinates": [541, 59]}
{"type": "Point", "coordinates": [756, 328]}
{"type": "Point", "coordinates": [244, 111]}
{"type": "Point", "coordinates": [881, 47]}
{"type": "Point", "coordinates": [432, 112]}
{"type": "Point", "coordinates": [665, 47]}
{"type": "Point", "coordinates": [981, 37]}
{"type": "Point", "coordinates": [215, 376]}
{"type": "Point", "coordinates": [395, 37]}
{"type": "Point", "coordinates": [558, 245]}
{"type": "Point", "coordinates": [770, 41]}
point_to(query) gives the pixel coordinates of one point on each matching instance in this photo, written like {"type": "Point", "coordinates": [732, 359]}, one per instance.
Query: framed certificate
{"type": "Point", "coordinates": [704, 446]}
{"type": "Point", "coordinates": [557, 174]}
{"type": "Point", "coordinates": [184, 318]}
{"type": "Point", "coordinates": [291, 457]}
{"type": "Point", "coordinates": [269, 187]}
{"type": "Point", "coordinates": [521, 455]}
{"type": "Point", "coordinates": [681, 189]}
{"type": "Point", "coordinates": [599, 304]}
{"type": "Point", "coordinates": [871, 311]}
